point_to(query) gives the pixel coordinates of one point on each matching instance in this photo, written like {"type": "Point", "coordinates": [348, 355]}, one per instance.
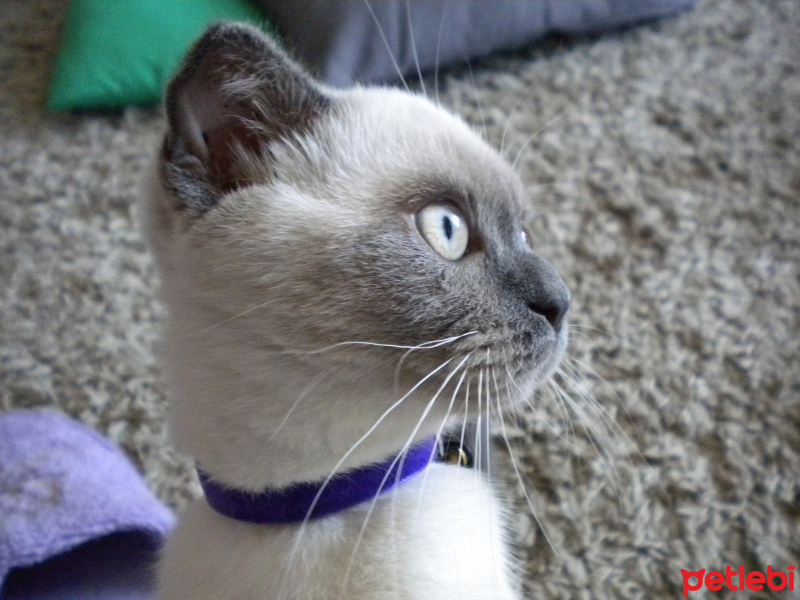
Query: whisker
{"type": "Point", "coordinates": [352, 449]}
{"type": "Point", "coordinates": [401, 457]}
{"type": "Point", "coordinates": [535, 411]}
{"type": "Point", "coordinates": [302, 395]}
{"type": "Point", "coordinates": [522, 486]}
{"type": "Point", "coordinates": [225, 321]}
{"type": "Point", "coordinates": [533, 136]}
{"type": "Point", "coordinates": [604, 414]}
{"type": "Point", "coordinates": [423, 346]}
{"type": "Point", "coordinates": [477, 100]}
{"type": "Point", "coordinates": [439, 436]}
{"type": "Point", "coordinates": [505, 129]}
{"type": "Point", "coordinates": [488, 416]}
{"type": "Point", "coordinates": [587, 367]}
{"type": "Point", "coordinates": [478, 441]}
{"type": "Point", "coordinates": [403, 358]}
{"type": "Point", "coordinates": [386, 43]}
{"type": "Point", "coordinates": [435, 449]}
{"type": "Point", "coordinates": [438, 49]}
{"type": "Point", "coordinates": [563, 409]}
{"type": "Point", "coordinates": [489, 454]}
{"type": "Point", "coordinates": [466, 413]}
{"type": "Point", "coordinates": [626, 343]}
{"type": "Point", "coordinates": [596, 437]}
{"type": "Point", "coordinates": [414, 46]}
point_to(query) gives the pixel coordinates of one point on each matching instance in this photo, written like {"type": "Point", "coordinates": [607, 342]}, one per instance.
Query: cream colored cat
{"type": "Point", "coordinates": [348, 277]}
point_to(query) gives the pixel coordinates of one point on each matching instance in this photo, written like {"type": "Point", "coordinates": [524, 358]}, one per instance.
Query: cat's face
{"type": "Point", "coordinates": [293, 220]}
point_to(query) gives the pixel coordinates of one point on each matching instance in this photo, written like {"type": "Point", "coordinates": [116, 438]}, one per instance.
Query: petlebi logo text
{"type": "Point", "coordinates": [738, 580]}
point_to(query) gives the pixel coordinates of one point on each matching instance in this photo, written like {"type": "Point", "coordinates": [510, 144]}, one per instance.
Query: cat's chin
{"type": "Point", "coordinates": [528, 381]}
{"type": "Point", "coordinates": [550, 367]}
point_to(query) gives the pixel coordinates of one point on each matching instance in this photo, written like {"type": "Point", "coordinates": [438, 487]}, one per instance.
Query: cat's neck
{"type": "Point", "coordinates": [254, 418]}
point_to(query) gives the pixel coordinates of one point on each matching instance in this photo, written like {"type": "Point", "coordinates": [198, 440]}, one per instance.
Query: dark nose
{"type": "Point", "coordinates": [553, 309]}
{"type": "Point", "coordinates": [536, 284]}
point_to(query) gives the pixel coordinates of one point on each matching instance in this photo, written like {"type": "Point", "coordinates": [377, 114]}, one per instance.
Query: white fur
{"type": "Point", "coordinates": [439, 537]}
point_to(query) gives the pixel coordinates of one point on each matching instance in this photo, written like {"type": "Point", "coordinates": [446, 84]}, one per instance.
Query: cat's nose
{"type": "Point", "coordinates": [537, 287]}
{"type": "Point", "coordinates": [553, 309]}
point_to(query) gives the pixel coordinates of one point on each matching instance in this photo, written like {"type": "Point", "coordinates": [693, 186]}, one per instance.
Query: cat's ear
{"type": "Point", "coordinates": [236, 92]}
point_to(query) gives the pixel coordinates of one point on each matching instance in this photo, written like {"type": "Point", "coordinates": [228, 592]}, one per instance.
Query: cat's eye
{"type": "Point", "coordinates": [445, 230]}
{"type": "Point", "coordinates": [525, 237]}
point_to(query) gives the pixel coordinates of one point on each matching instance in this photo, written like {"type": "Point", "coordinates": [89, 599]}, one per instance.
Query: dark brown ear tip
{"type": "Point", "coordinates": [239, 35]}
{"type": "Point", "coordinates": [225, 32]}
{"type": "Point", "coordinates": [224, 35]}
{"type": "Point", "coordinates": [216, 39]}
{"type": "Point", "coordinates": [239, 42]}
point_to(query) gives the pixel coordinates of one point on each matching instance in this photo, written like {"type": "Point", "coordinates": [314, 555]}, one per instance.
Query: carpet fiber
{"type": "Point", "coordinates": [665, 165]}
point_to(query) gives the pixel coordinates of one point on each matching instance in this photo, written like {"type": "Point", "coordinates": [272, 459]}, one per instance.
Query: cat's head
{"type": "Point", "coordinates": [308, 238]}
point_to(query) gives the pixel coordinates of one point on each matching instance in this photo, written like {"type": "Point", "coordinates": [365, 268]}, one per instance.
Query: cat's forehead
{"type": "Point", "coordinates": [406, 143]}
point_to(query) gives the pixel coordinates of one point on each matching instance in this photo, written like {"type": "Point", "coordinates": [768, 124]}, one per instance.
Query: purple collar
{"type": "Point", "coordinates": [299, 501]}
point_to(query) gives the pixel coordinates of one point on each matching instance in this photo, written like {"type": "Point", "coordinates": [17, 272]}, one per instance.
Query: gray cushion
{"type": "Point", "coordinates": [346, 40]}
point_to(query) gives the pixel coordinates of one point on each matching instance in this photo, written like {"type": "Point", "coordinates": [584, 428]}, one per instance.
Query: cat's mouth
{"type": "Point", "coordinates": [502, 366]}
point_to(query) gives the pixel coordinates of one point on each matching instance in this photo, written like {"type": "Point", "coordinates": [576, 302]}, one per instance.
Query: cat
{"type": "Point", "coordinates": [349, 280]}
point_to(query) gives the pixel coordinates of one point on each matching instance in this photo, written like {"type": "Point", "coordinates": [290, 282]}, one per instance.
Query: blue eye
{"type": "Point", "coordinates": [445, 230]}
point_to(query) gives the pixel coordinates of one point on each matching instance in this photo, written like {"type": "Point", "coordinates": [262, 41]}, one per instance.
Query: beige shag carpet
{"type": "Point", "coordinates": [665, 164]}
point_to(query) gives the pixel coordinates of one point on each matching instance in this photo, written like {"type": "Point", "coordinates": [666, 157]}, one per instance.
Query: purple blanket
{"type": "Point", "coordinates": [76, 519]}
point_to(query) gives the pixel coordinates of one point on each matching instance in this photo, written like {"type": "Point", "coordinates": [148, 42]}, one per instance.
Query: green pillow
{"type": "Point", "coordinates": [120, 52]}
